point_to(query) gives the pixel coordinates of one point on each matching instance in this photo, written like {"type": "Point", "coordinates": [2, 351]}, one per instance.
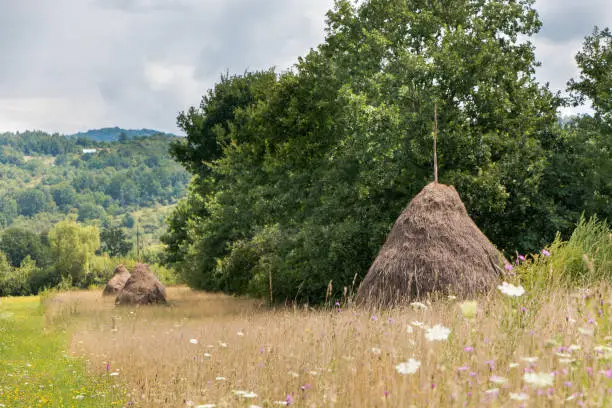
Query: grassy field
{"type": "Point", "coordinates": [533, 350]}
{"type": "Point", "coordinates": [36, 367]}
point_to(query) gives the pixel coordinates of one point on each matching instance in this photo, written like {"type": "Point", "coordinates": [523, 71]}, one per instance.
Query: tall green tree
{"type": "Point", "coordinates": [302, 183]}
{"type": "Point", "coordinates": [72, 247]}
{"type": "Point", "coordinates": [114, 241]}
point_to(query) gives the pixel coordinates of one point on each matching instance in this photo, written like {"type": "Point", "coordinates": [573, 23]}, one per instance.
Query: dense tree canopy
{"type": "Point", "coordinates": [299, 176]}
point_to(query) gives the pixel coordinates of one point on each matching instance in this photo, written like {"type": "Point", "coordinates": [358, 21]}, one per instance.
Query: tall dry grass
{"type": "Point", "coordinates": [205, 347]}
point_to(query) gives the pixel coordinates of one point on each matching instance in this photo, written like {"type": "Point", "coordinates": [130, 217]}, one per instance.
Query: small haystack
{"type": "Point", "coordinates": [142, 288]}
{"type": "Point", "coordinates": [434, 246]}
{"type": "Point", "coordinates": [116, 283]}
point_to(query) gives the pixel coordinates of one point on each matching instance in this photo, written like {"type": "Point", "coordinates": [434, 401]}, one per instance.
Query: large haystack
{"type": "Point", "coordinates": [142, 288]}
{"type": "Point", "coordinates": [116, 283]}
{"type": "Point", "coordinates": [434, 246]}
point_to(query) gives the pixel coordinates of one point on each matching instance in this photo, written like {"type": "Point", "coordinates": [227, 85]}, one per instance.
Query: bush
{"type": "Point", "coordinates": [584, 259]}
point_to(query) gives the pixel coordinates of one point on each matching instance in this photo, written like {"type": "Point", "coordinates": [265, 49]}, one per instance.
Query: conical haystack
{"type": "Point", "coordinates": [142, 288]}
{"type": "Point", "coordinates": [116, 283]}
{"type": "Point", "coordinates": [434, 246]}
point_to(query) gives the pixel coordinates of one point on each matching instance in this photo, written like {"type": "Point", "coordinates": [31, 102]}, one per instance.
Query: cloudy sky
{"type": "Point", "coordinates": [73, 65]}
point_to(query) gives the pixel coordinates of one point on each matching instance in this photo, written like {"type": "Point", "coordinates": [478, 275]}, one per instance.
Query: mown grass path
{"type": "Point", "coordinates": [36, 369]}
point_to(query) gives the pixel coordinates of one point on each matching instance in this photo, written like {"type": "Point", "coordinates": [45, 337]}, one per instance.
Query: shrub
{"type": "Point", "coordinates": [584, 259]}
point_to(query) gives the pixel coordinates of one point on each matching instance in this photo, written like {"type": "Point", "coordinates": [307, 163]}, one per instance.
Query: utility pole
{"type": "Point", "coordinates": [138, 240]}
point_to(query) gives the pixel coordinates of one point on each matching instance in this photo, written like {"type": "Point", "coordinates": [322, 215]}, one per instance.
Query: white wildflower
{"type": "Point", "coordinates": [193, 341]}
{"type": "Point", "coordinates": [496, 379]}
{"type": "Point", "coordinates": [529, 360]}
{"type": "Point", "coordinates": [409, 367]}
{"type": "Point", "coordinates": [511, 290]}
{"type": "Point", "coordinates": [519, 397]}
{"type": "Point", "coordinates": [376, 350]}
{"type": "Point", "coordinates": [409, 329]}
{"type": "Point", "coordinates": [437, 333]}
{"type": "Point", "coordinates": [539, 380]}
{"type": "Point", "coordinates": [513, 365]}
{"type": "Point", "coordinates": [240, 333]}
{"type": "Point", "coordinates": [574, 347]}
{"type": "Point", "coordinates": [418, 306]}
{"type": "Point", "coordinates": [206, 406]}
{"type": "Point", "coordinates": [220, 378]}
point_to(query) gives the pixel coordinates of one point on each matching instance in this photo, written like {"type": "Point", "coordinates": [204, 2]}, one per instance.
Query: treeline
{"type": "Point", "coordinates": [68, 255]}
{"type": "Point", "coordinates": [299, 176]}
{"type": "Point", "coordinates": [46, 177]}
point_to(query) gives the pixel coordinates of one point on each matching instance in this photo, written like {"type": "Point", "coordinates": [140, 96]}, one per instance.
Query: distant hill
{"type": "Point", "coordinates": [115, 133]}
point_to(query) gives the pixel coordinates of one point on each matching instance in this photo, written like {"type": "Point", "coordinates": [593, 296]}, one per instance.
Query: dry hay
{"type": "Point", "coordinates": [116, 283]}
{"type": "Point", "coordinates": [142, 288]}
{"type": "Point", "coordinates": [434, 247]}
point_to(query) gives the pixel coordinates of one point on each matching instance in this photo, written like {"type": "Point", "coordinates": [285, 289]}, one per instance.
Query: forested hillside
{"type": "Point", "coordinates": [68, 204]}
{"type": "Point", "coordinates": [45, 177]}
{"type": "Point", "coordinates": [299, 176]}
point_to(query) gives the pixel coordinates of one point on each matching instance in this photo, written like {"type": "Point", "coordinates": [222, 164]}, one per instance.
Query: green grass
{"type": "Point", "coordinates": [36, 369]}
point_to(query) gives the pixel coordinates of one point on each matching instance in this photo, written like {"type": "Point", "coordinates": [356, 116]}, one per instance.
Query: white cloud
{"type": "Point", "coordinates": [70, 65]}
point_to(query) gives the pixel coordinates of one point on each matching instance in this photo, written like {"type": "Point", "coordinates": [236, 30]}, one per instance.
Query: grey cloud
{"type": "Point", "coordinates": [68, 65]}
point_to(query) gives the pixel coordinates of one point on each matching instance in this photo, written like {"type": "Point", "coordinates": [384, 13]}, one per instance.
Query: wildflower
{"type": "Point", "coordinates": [545, 252]}
{"type": "Point", "coordinates": [513, 365]}
{"type": "Point", "coordinates": [305, 387]}
{"type": "Point", "coordinates": [376, 350]}
{"type": "Point", "coordinates": [240, 333]}
{"type": "Point", "coordinates": [193, 341]}
{"type": "Point", "coordinates": [221, 344]}
{"type": "Point", "coordinates": [469, 309]}
{"type": "Point", "coordinates": [337, 304]}
{"type": "Point", "coordinates": [79, 397]}
{"type": "Point", "coordinates": [521, 257]}
{"type": "Point", "coordinates": [509, 267]}
{"type": "Point", "coordinates": [206, 406]}
{"type": "Point", "coordinates": [463, 368]}
{"type": "Point", "coordinates": [539, 380]}
{"type": "Point", "coordinates": [281, 403]}
{"type": "Point", "coordinates": [519, 397]}
{"type": "Point", "coordinates": [437, 333]}
{"type": "Point", "coordinates": [374, 318]}
{"type": "Point", "coordinates": [409, 367]}
{"type": "Point", "coordinates": [207, 355]}
{"type": "Point", "coordinates": [496, 379]}
{"type": "Point", "coordinates": [289, 399]}
{"type": "Point", "coordinates": [417, 324]}
{"type": "Point", "coordinates": [452, 297]}
{"type": "Point", "coordinates": [409, 329]}
{"type": "Point", "coordinates": [492, 391]}
{"type": "Point", "coordinates": [468, 349]}
{"type": "Point", "coordinates": [220, 378]}
{"type": "Point", "coordinates": [586, 332]}
{"type": "Point", "coordinates": [114, 374]}
{"type": "Point", "coordinates": [511, 290]}
{"type": "Point", "coordinates": [418, 306]}
{"type": "Point", "coordinates": [568, 383]}
{"type": "Point", "coordinates": [293, 374]}
{"type": "Point", "coordinates": [529, 360]}
{"type": "Point", "coordinates": [608, 373]}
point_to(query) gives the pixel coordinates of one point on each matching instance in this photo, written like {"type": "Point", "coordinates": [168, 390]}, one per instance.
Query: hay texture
{"type": "Point", "coordinates": [116, 283]}
{"type": "Point", "coordinates": [142, 288]}
{"type": "Point", "coordinates": [434, 246]}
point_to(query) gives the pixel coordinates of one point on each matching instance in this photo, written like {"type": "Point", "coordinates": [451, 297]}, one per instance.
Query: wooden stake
{"type": "Point", "coordinates": [270, 281]}
{"type": "Point", "coordinates": [435, 143]}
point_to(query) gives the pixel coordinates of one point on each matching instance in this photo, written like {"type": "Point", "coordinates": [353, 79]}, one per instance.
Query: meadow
{"type": "Point", "coordinates": [541, 339]}
{"type": "Point", "coordinates": [212, 350]}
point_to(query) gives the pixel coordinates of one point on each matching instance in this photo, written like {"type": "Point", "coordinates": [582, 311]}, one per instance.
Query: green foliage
{"type": "Point", "coordinates": [18, 243]}
{"type": "Point", "coordinates": [584, 259]}
{"type": "Point", "coordinates": [115, 242]}
{"type": "Point", "coordinates": [72, 247]}
{"type": "Point", "coordinates": [300, 176]}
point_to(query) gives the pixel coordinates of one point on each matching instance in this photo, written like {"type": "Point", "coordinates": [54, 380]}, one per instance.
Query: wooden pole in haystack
{"type": "Point", "coordinates": [435, 143]}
